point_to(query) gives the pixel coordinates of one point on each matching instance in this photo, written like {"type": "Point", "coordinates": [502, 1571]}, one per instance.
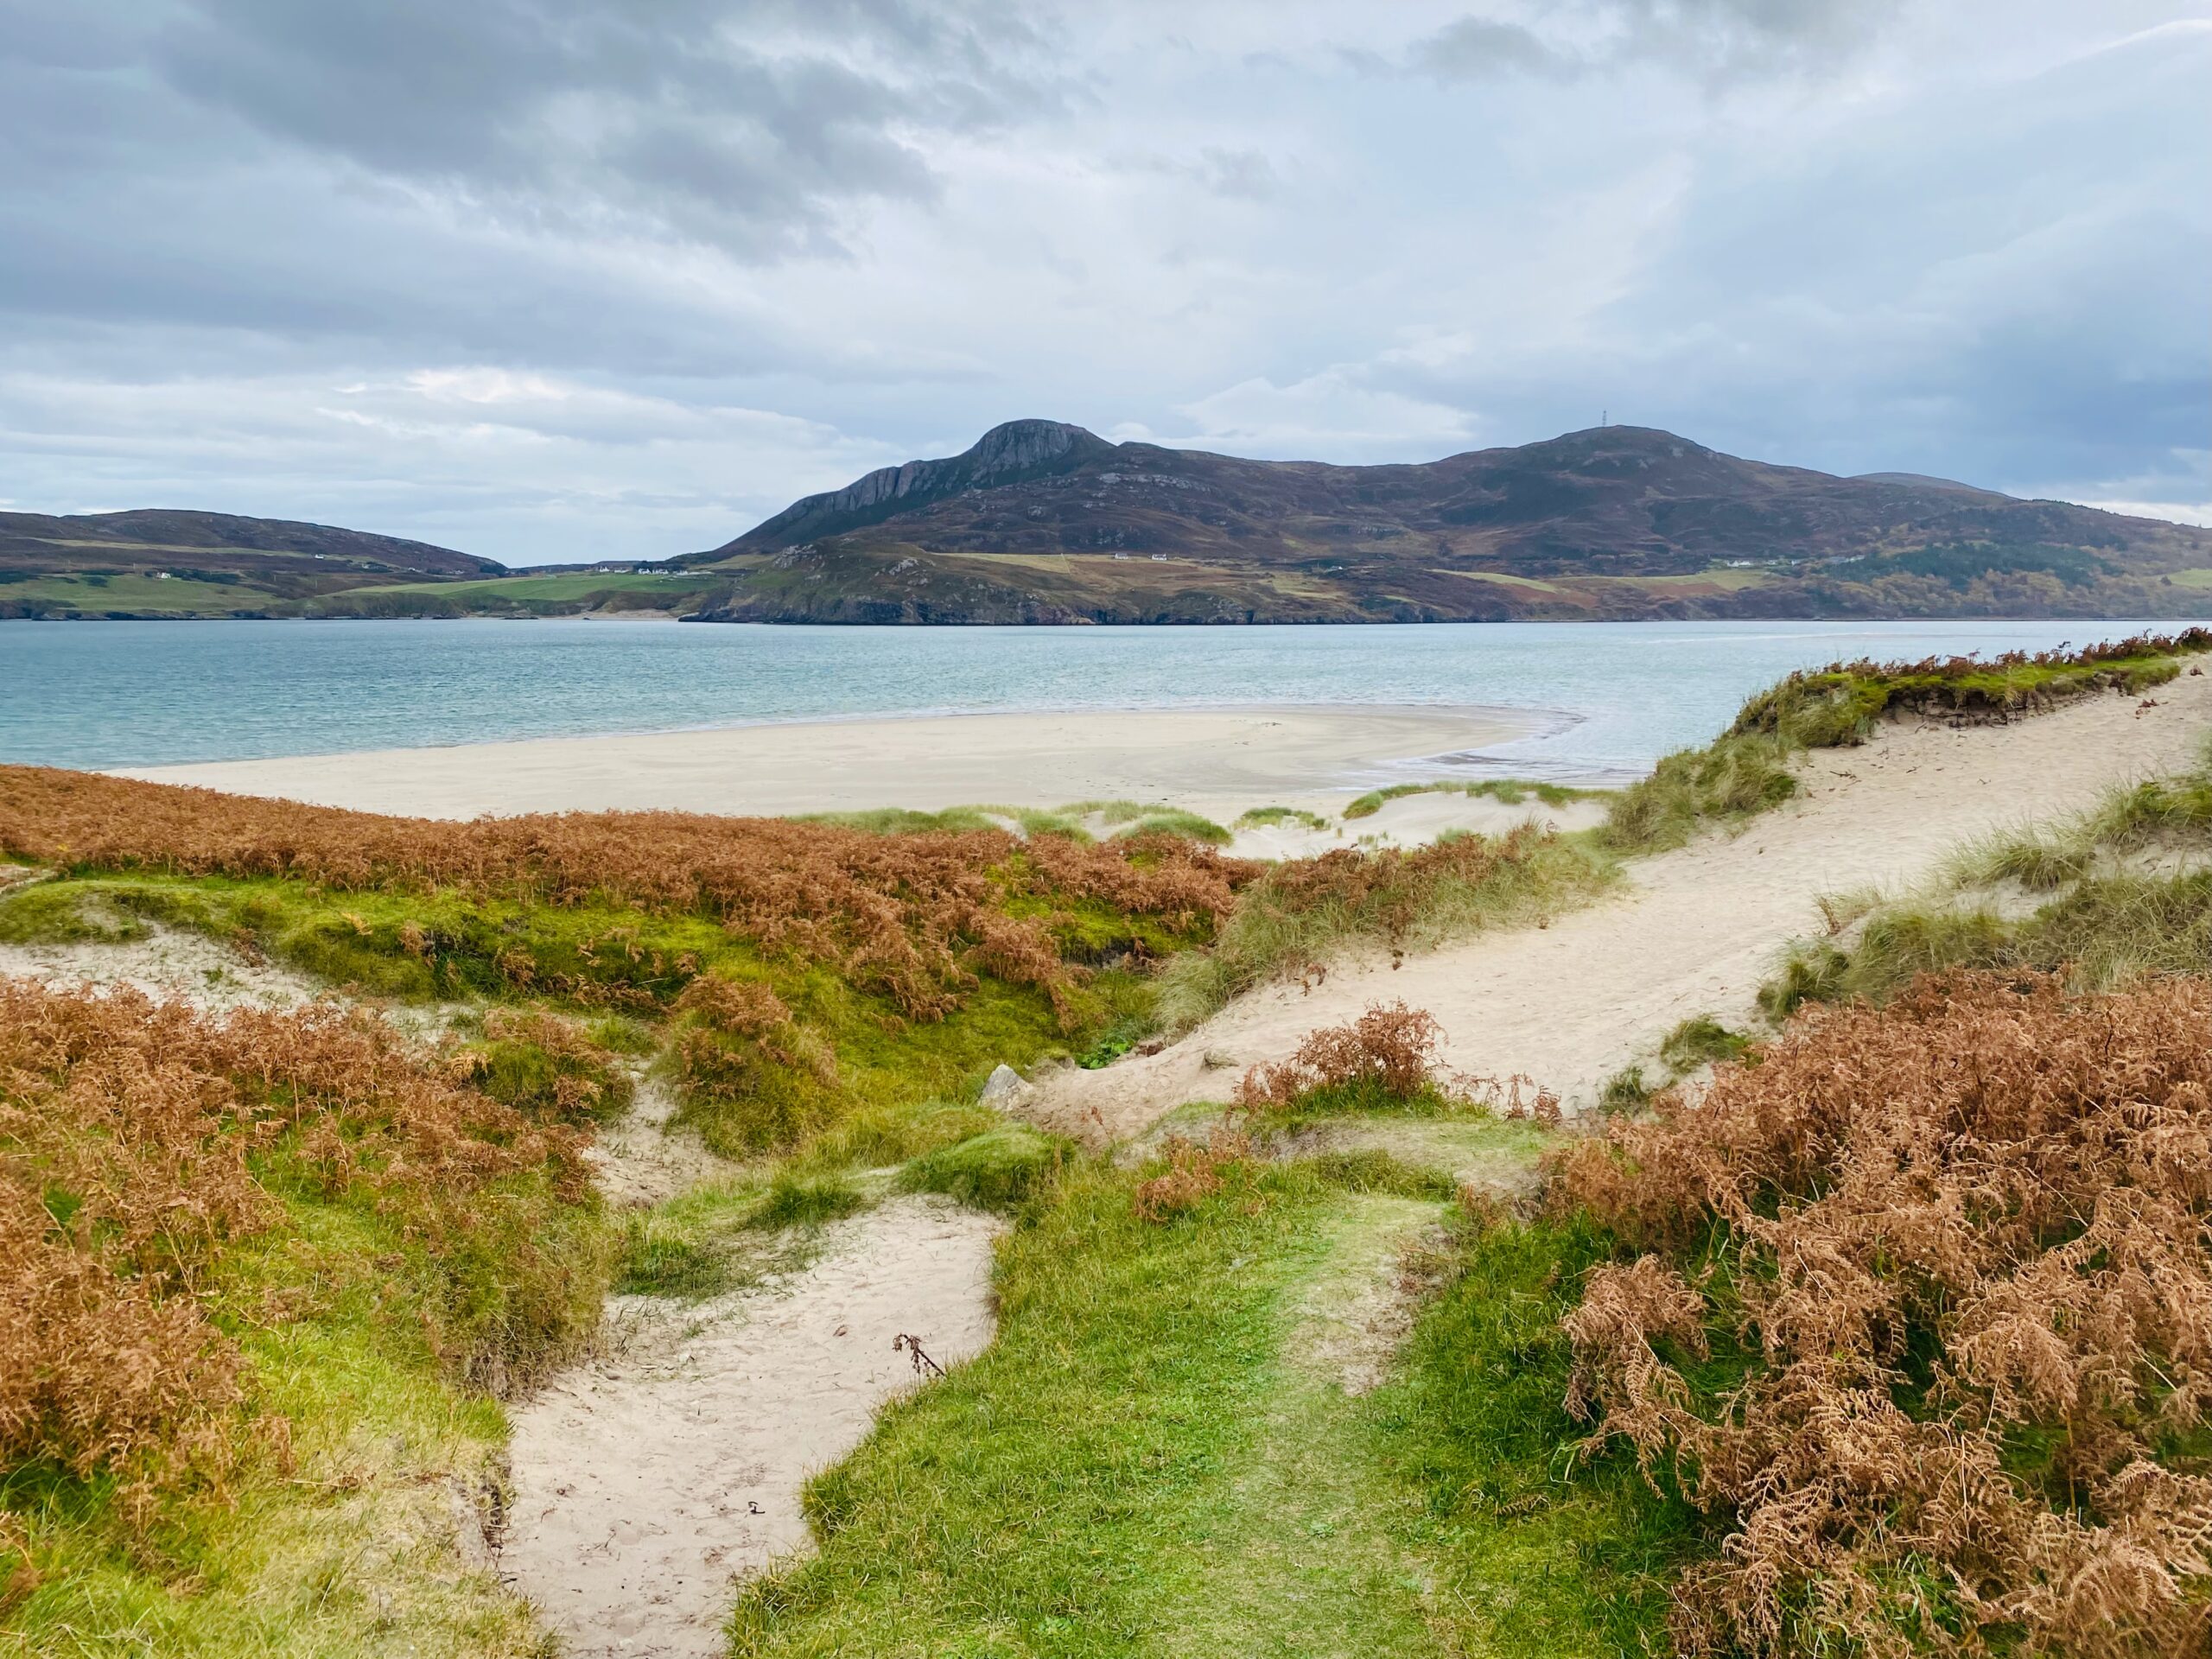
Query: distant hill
{"type": "Point", "coordinates": [157, 562]}
{"type": "Point", "coordinates": [1045, 522]}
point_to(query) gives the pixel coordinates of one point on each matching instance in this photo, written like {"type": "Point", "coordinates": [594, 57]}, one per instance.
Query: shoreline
{"type": "Point", "coordinates": [1216, 759]}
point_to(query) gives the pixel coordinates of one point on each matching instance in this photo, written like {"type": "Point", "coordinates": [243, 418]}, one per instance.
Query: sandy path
{"type": "Point", "coordinates": [642, 1158]}
{"type": "Point", "coordinates": [644, 1481]}
{"type": "Point", "coordinates": [1211, 759]}
{"type": "Point", "coordinates": [1696, 931]}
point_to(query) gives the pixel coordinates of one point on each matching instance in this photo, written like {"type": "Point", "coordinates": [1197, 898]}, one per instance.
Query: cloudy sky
{"type": "Point", "coordinates": [554, 280]}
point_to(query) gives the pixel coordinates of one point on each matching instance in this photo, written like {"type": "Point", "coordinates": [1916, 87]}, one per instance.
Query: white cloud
{"type": "Point", "coordinates": [2179, 513]}
{"type": "Point", "coordinates": [526, 468]}
{"type": "Point", "coordinates": [1961, 239]}
{"type": "Point", "coordinates": [1329, 416]}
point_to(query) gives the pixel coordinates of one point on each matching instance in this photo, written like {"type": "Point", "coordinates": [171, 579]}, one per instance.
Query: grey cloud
{"type": "Point", "coordinates": [504, 178]}
{"type": "Point", "coordinates": [746, 125]}
{"type": "Point", "coordinates": [1471, 47]}
{"type": "Point", "coordinates": [1714, 39]}
{"type": "Point", "coordinates": [889, 221]}
{"type": "Point", "coordinates": [2004, 285]}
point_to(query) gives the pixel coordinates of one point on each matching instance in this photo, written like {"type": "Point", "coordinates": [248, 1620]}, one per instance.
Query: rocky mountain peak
{"type": "Point", "coordinates": [1026, 445]}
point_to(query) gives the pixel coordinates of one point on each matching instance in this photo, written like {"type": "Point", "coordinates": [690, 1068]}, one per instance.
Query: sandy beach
{"type": "Point", "coordinates": [1216, 760]}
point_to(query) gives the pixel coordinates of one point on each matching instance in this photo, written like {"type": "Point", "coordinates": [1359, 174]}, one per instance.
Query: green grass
{"type": "Point", "coordinates": [798, 1200]}
{"type": "Point", "coordinates": [730, 1235]}
{"type": "Point", "coordinates": [1840, 705]}
{"type": "Point", "coordinates": [49, 912]}
{"type": "Point", "coordinates": [1002, 1168]}
{"type": "Point", "coordinates": [1547, 1552]}
{"type": "Point", "coordinates": [134, 592]}
{"type": "Point", "coordinates": [563, 596]}
{"type": "Point", "coordinates": [2113, 895]}
{"type": "Point", "coordinates": [586, 957]}
{"type": "Point", "coordinates": [581, 585]}
{"type": "Point", "coordinates": [1625, 1092]}
{"type": "Point", "coordinates": [1510, 792]}
{"type": "Point", "coordinates": [1700, 1040]}
{"type": "Point", "coordinates": [1157, 1456]}
{"type": "Point", "coordinates": [1263, 817]}
{"type": "Point", "coordinates": [1278, 929]}
{"type": "Point", "coordinates": [1748, 769]}
{"type": "Point", "coordinates": [1135, 818]}
{"type": "Point", "coordinates": [347, 1555]}
{"type": "Point", "coordinates": [1028, 820]}
{"type": "Point", "coordinates": [902, 820]}
{"type": "Point", "coordinates": [1137, 1464]}
{"type": "Point", "coordinates": [1729, 780]}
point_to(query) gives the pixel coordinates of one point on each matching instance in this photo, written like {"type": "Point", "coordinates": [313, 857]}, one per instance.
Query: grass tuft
{"type": "Point", "coordinates": [1510, 792]}
{"type": "Point", "coordinates": [1625, 1092]}
{"type": "Point", "coordinates": [794, 1200]}
{"type": "Point", "coordinates": [1700, 1040]}
{"type": "Point", "coordinates": [1000, 1169]}
{"type": "Point", "coordinates": [1297, 917]}
{"type": "Point", "coordinates": [1261, 817]}
{"type": "Point", "coordinates": [1729, 780]}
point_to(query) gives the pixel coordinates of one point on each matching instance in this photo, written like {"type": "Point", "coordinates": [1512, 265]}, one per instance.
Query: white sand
{"type": "Point", "coordinates": [166, 964]}
{"type": "Point", "coordinates": [645, 1482]}
{"type": "Point", "coordinates": [1696, 932]}
{"type": "Point", "coordinates": [643, 1157]}
{"type": "Point", "coordinates": [1218, 760]}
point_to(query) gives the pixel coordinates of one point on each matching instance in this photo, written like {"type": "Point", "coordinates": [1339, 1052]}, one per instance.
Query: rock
{"type": "Point", "coordinates": [1004, 1086]}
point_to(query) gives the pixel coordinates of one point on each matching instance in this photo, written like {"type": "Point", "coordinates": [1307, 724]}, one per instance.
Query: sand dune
{"type": "Point", "coordinates": [1694, 931]}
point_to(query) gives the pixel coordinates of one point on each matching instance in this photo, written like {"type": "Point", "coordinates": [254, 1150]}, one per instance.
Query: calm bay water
{"type": "Point", "coordinates": [113, 694]}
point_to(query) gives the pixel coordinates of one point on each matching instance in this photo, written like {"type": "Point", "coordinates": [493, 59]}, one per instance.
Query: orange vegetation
{"type": "Point", "coordinates": [1391, 890]}
{"type": "Point", "coordinates": [1194, 1174]}
{"type": "Point", "coordinates": [1962, 1244]}
{"type": "Point", "coordinates": [912, 916]}
{"type": "Point", "coordinates": [1390, 1051]}
{"type": "Point", "coordinates": [1392, 1048]}
{"type": "Point", "coordinates": [134, 1136]}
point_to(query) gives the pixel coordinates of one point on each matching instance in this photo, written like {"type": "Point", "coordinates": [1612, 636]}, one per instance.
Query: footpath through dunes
{"type": "Point", "coordinates": [645, 1482]}
{"type": "Point", "coordinates": [1693, 932]}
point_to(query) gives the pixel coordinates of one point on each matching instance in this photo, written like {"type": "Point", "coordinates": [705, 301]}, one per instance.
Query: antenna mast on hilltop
{"type": "Point", "coordinates": [1602, 414]}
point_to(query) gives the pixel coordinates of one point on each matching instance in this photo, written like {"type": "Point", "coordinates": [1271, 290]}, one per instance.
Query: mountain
{"type": "Point", "coordinates": [161, 562]}
{"type": "Point", "coordinates": [1045, 522]}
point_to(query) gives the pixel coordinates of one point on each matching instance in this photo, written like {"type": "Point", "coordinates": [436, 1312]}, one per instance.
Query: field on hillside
{"type": "Point", "coordinates": [1882, 1330]}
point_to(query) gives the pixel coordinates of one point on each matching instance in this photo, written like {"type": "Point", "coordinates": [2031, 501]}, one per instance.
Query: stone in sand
{"type": "Point", "coordinates": [1004, 1086]}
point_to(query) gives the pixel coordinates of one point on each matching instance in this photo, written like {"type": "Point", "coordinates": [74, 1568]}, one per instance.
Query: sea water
{"type": "Point", "coordinates": [1614, 696]}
